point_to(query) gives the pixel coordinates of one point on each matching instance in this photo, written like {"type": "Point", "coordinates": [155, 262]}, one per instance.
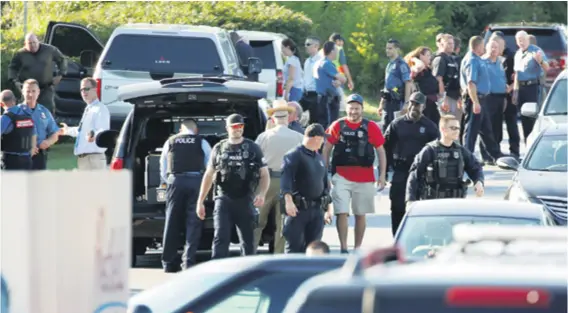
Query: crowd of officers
{"type": "Point", "coordinates": [297, 174]}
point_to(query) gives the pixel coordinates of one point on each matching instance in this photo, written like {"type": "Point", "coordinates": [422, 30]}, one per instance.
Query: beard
{"type": "Point", "coordinates": [415, 113]}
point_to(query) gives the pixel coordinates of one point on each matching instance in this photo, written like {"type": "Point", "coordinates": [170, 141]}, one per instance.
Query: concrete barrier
{"type": "Point", "coordinates": [65, 241]}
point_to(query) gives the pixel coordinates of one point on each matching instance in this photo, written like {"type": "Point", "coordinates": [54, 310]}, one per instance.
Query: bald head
{"type": "Point", "coordinates": [522, 39]}
{"type": "Point", "coordinates": [7, 98]}
{"type": "Point", "coordinates": [298, 111]}
{"type": "Point", "coordinates": [31, 43]}
{"type": "Point", "coordinates": [189, 124]}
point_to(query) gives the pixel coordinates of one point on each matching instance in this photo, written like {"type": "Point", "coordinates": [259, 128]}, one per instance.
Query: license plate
{"type": "Point", "coordinates": [161, 195]}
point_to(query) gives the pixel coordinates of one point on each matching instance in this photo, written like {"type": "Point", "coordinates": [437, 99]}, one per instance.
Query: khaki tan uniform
{"type": "Point", "coordinates": [274, 144]}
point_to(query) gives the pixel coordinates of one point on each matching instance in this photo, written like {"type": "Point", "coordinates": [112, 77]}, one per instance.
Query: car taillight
{"type": "Point", "coordinates": [279, 83]}
{"type": "Point", "coordinates": [99, 87]}
{"type": "Point", "coordinates": [497, 297]}
{"type": "Point", "coordinates": [116, 164]}
{"type": "Point", "coordinates": [562, 62]}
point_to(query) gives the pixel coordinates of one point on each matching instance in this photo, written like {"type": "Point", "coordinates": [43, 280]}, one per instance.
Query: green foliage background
{"type": "Point", "coordinates": [366, 25]}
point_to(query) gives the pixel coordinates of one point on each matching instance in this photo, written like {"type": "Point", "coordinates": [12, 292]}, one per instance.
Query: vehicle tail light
{"type": "Point", "coordinates": [116, 164]}
{"type": "Point", "coordinates": [99, 88]}
{"type": "Point", "coordinates": [497, 297]}
{"type": "Point", "coordinates": [279, 83]}
{"type": "Point", "coordinates": [562, 62]}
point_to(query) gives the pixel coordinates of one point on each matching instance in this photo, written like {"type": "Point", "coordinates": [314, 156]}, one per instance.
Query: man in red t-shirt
{"type": "Point", "coordinates": [355, 139]}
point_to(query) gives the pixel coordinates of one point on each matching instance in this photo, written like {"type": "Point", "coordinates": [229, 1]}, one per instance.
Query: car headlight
{"type": "Point", "coordinates": [517, 194]}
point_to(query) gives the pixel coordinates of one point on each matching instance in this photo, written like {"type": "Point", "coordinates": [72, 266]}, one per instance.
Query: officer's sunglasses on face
{"type": "Point", "coordinates": [86, 89]}
{"type": "Point", "coordinates": [454, 128]}
{"type": "Point", "coordinates": [307, 44]}
{"type": "Point", "coordinates": [237, 126]}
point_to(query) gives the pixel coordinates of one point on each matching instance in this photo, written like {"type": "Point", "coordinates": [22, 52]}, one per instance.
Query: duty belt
{"type": "Point", "coordinates": [528, 82]}
{"type": "Point", "coordinates": [82, 155]}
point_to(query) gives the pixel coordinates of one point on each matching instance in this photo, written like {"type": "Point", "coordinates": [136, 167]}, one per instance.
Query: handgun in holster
{"type": "Point", "coordinates": [325, 201]}
{"type": "Point", "coordinates": [297, 199]}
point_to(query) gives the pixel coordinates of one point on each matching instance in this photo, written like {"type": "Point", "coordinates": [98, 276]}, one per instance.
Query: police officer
{"type": "Point", "coordinates": [475, 84]}
{"type": "Point", "coordinates": [446, 69]}
{"type": "Point", "coordinates": [19, 135]}
{"type": "Point", "coordinates": [182, 163]}
{"type": "Point", "coordinates": [496, 100]}
{"type": "Point", "coordinates": [47, 130]}
{"type": "Point", "coordinates": [275, 143]}
{"type": "Point", "coordinates": [238, 167]}
{"type": "Point", "coordinates": [404, 138]}
{"type": "Point", "coordinates": [510, 114]}
{"type": "Point", "coordinates": [327, 81]}
{"type": "Point", "coordinates": [530, 61]}
{"type": "Point", "coordinates": [397, 83]}
{"type": "Point", "coordinates": [437, 171]}
{"type": "Point", "coordinates": [305, 189]}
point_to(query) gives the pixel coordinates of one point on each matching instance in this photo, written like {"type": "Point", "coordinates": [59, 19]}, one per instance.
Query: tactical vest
{"type": "Point", "coordinates": [237, 172]}
{"type": "Point", "coordinates": [353, 148]}
{"type": "Point", "coordinates": [452, 77]}
{"type": "Point", "coordinates": [412, 137]}
{"type": "Point", "coordinates": [19, 140]}
{"type": "Point", "coordinates": [185, 154]}
{"type": "Point", "coordinates": [444, 177]}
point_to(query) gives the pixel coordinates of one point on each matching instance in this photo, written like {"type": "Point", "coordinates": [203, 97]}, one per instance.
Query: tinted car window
{"type": "Point", "coordinates": [550, 154]}
{"type": "Point", "coordinates": [557, 99]}
{"type": "Point", "coordinates": [265, 51]}
{"type": "Point", "coordinates": [163, 54]}
{"type": "Point", "coordinates": [422, 235]}
{"type": "Point", "coordinates": [546, 39]}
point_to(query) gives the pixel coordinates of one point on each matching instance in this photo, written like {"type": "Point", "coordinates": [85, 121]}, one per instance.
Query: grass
{"type": "Point", "coordinates": [370, 109]}
{"type": "Point", "coordinates": [61, 157]}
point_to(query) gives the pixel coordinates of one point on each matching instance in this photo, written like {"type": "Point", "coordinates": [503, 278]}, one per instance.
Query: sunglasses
{"type": "Point", "coordinates": [307, 44]}
{"type": "Point", "coordinates": [86, 89]}
{"type": "Point", "coordinates": [454, 128]}
{"type": "Point", "coordinates": [238, 126]}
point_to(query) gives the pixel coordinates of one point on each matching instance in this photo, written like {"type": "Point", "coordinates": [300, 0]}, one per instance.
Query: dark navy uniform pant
{"type": "Point", "coordinates": [181, 198]}
{"type": "Point", "coordinates": [230, 212]}
{"type": "Point", "coordinates": [390, 106]}
{"type": "Point", "coordinates": [39, 161]}
{"type": "Point", "coordinates": [302, 229]}
{"type": "Point", "coordinates": [480, 125]}
{"type": "Point", "coordinates": [495, 105]}
{"type": "Point", "coordinates": [326, 111]}
{"type": "Point", "coordinates": [529, 93]}
{"type": "Point", "coordinates": [510, 117]}
{"type": "Point", "coordinates": [397, 195]}
{"type": "Point", "coordinates": [16, 162]}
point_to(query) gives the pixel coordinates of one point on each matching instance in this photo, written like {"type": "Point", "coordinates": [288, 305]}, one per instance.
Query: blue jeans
{"type": "Point", "coordinates": [295, 94]}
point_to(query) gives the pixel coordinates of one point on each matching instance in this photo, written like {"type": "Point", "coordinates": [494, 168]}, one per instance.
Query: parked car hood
{"type": "Point", "coordinates": [542, 184]}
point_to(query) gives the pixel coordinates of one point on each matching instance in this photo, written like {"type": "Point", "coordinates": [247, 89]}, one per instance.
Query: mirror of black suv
{"type": "Point", "coordinates": [254, 65]}
{"type": "Point", "coordinates": [107, 139]}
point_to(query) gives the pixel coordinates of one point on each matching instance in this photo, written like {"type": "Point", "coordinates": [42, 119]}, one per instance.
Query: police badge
{"type": "Point", "coordinates": [245, 154]}
{"type": "Point", "coordinates": [456, 155]}
{"type": "Point", "coordinates": [422, 130]}
{"type": "Point", "coordinates": [360, 134]}
{"type": "Point", "coordinates": [43, 115]}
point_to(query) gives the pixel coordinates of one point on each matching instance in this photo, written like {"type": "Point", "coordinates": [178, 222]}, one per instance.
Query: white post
{"type": "Point", "coordinates": [25, 17]}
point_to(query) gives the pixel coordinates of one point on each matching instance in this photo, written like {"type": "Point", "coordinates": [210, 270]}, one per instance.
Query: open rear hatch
{"type": "Point", "coordinates": [158, 113]}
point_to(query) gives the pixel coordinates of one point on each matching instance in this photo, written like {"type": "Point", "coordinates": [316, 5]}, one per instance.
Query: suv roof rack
{"type": "Point", "coordinates": [361, 260]}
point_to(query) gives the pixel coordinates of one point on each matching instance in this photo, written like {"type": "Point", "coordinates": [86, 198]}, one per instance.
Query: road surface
{"type": "Point", "coordinates": [378, 233]}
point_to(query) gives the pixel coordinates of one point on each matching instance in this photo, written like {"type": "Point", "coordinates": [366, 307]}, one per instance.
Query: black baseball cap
{"type": "Point", "coordinates": [235, 119]}
{"type": "Point", "coordinates": [417, 97]}
{"type": "Point", "coordinates": [335, 36]}
{"type": "Point", "coordinates": [315, 130]}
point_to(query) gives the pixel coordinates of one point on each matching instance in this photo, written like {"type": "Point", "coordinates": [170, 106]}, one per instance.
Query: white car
{"type": "Point", "coordinates": [267, 47]}
{"type": "Point", "coordinates": [553, 110]}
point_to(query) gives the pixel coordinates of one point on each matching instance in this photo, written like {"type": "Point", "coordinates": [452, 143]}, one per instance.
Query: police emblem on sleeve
{"type": "Point", "coordinates": [245, 155]}
{"type": "Point", "coordinates": [43, 115]}
{"type": "Point", "coordinates": [422, 130]}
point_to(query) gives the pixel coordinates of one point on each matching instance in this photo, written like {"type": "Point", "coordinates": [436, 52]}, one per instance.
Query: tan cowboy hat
{"type": "Point", "coordinates": [279, 105]}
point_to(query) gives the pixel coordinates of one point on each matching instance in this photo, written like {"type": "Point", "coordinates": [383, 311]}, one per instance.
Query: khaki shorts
{"type": "Point", "coordinates": [360, 197]}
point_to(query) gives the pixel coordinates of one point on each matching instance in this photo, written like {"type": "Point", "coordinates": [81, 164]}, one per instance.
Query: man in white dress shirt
{"type": "Point", "coordinates": [310, 98]}
{"type": "Point", "coordinates": [96, 119]}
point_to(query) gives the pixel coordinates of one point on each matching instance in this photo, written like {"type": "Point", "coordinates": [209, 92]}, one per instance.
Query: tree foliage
{"type": "Point", "coordinates": [104, 17]}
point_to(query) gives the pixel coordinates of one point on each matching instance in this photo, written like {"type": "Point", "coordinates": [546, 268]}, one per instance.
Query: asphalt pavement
{"type": "Point", "coordinates": [149, 273]}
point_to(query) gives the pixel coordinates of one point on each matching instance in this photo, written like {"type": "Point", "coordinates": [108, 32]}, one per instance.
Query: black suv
{"type": "Point", "coordinates": [158, 108]}
{"type": "Point", "coordinates": [551, 38]}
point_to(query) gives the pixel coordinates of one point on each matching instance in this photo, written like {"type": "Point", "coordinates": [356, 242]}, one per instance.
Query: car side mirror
{"type": "Point", "coordinates": [107, 139]}
{"type": "Point", "coordinates": [254, 65]}
{"type": "Point", "coordinates": [507, 163]}
{"type": "Point", "coordinates": [87, 58]}
{"type": "Point", "coordinates": [529, 109]}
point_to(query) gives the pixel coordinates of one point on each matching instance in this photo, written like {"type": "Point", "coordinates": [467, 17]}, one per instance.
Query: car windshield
{"type": "Point", "coordinates": [422, 235]}
{"type": "Point", "coordinates": [557, 102]}
{"type": "Point", "coordinates": [550, 154]}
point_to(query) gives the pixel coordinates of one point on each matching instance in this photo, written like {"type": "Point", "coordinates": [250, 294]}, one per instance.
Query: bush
{"type": "Point", "coordinates": [103, 17]}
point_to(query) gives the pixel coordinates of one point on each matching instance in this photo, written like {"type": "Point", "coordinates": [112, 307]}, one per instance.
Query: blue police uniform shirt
{"type": "Point", "coordinates": [164, 157]}
{"type": "Point", "coordinates": [43, 120]}
{"type": "Point", "coordinates": [474, 69]}
{"type": "Point", "coordinates": [396, 74]}
{"type": "Point", "coordinates": [7, 125]}
{"type": "Point", "coordinates": [326, 74]}
{"type": "Point", "coordinates": [497, 77]}
{"type": "Point", "coordinates": [526, 67]}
